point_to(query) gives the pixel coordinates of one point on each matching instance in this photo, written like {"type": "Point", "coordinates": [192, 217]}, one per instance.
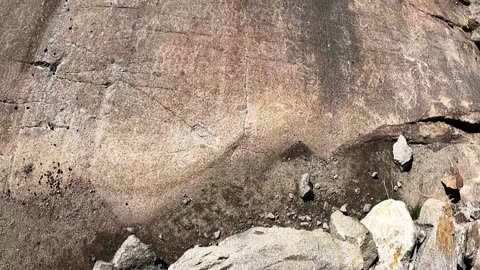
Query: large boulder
{"type": "Point", "coordinates": [351, 230]}
{"type": "Point", "coordinates": [274, 248]}
{"type": "Point", "coordinates": [393, 232]}
{"type": "Point", "coordinates": [443, 247]}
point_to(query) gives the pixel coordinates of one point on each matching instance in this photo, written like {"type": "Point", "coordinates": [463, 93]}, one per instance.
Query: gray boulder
{"type": "Point", "coordinates": [402, 153]}
{"type": "Point", "coordinates": [393, 232]}
{"type": "Point", "coordinates": [274, 248]}
{"type": "Point", "coordinates": [133, 254]}
{"type": "Point", "coordinates": [351, 230]}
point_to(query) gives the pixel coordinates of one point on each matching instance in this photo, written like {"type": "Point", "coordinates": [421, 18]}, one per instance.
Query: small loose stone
{"type": "Point", "coordinates": [271, 216]}
{"type": "Point", "coordinates": [367, 207]}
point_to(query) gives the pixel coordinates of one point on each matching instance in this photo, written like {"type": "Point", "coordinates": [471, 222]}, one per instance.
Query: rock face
{"type": "Point", "coordinates": [402, 153]}
{"type": "Point", "coordinates": [351, 230]}
{"type": "Point", "coordinates": [393, 232]}
{"type": "Point", "coordinates": [444, 244]}
{"type": "Point", "coordinates": [274, 248]}
{"type": "Point", "coordinates": [147, 100]}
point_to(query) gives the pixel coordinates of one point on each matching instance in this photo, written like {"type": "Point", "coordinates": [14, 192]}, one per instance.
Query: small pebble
{"type": "Point", "coordinates": [325, 226]}
{"type": "Point", "coordinates": [186, 200]}
{"type": "Point", "coordinates": [216, 234]}
{"type": "Point", "coordinates": [304, 224]}
{"type": "Point", "coordinates": [305, 218]}
{"type": "Point", "coordinates": [395, 188]}
{"type": "Point", "coordinates": [290, 196]}
{"type": "Point", "coordinates": [335, 176]}
{"type": "Point", "coordinates": [325, 205]}
{"type": "Point", "coordinates": [271, 216]}
{"type": "Point", "coordinates": [130, 230]}
{"type": "Point", "coordinates": [317, 186]}
{"type": "Point", "coordinates": [343, 209]}
{"type": "Point", "coordinates": [367, 207]}
{"type": "Point", "coordinates": [160, 236]}
{"type": "Point", "coordinates": [357, 191]}
{"type": "Point", "coordinates": [399, 184]}
{"type": "Point", "coordinates": [375, 175]}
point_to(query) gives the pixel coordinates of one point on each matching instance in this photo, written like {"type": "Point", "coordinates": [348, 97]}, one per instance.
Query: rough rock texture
{"type": "Point", "coordinates": [101, 265]}
{"type": "Point", "coordinates": [149, 100]}
{"type": "Point", "coordinates": [305, 187]}
{"type": "Point", "coordinates": [473, 245]}
{"type": "Point", "coordinates": [402, 153]}
{"type": "Point", "coordinates": [393, 232]}
{"type": "Point", "coordinates": [351, 230]}
{"type": "Point", "coordinates": [274, 248]}
{"type": "Point", "coordinates": [439, 250]}
{"type": "Point", "coordinates": [133, 254]}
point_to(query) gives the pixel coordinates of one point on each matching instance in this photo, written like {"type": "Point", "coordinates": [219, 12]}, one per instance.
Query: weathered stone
{"type": "Point", "coordinates": [439, 250]}
{"type": "Point", "coordinates": [325, 226]}
{"type": "Point", "coordinates": [366, 208]}
{"type": "Point", "coordinates": [432, 210]}
{"type": "Point", "coordinates": [305, 187]}
{"type": "Point", "coordinates": [305, 218]}
{"type": "Point", "coordinates": [351, 230]}
{"type": "Point", "coordinates": [476, 35]}
{"type": "Point", "coordinates": [472, 248]}
{"type": "Point", "coordinates": [475, 215]}
{"type": "Point", "coordinates": [133, 254]}
{"type": "Point", "coordinates": [393, 231]}
{"type": "Point", "coordinates": [101, 265]}
{"type": "Point", "coordinates": [274, 248]}
{"type": "Point", "coordinates": [402, 153]}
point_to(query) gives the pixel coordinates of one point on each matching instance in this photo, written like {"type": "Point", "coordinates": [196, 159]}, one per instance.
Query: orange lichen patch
{"type": "Point", "coordinates": [396, 259]}
{"type": "Point", "coordinates": [445, 231]}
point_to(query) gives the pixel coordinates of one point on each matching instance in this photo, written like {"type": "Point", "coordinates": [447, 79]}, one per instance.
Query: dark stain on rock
{"type": "Point", "coordinates": [329, 30]}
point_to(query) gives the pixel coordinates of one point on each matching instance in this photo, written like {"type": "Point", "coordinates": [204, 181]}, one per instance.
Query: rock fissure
{"type": "Point", "coordinates": [437, 17]}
